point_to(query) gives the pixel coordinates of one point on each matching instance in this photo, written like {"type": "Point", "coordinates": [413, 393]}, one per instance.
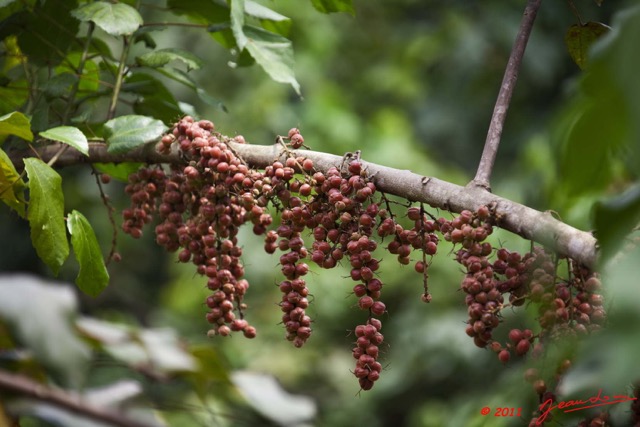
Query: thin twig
{"type": "Point", "coordinates": [110, 212]}
{"type": "Point", "coordinates": [483, 175]}
{"type": "Point", "coordinates": [24, 386]}
{"type": "Point", "coordinates": [126, 45]}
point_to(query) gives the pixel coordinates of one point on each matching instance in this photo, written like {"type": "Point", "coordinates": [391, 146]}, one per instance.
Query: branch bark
{"type": "Point", "coordinates": [528, 223]}
{"type": "Point", "coordinates": [24, 386]}
{"type": "Point", "coordinates": [490, 151]}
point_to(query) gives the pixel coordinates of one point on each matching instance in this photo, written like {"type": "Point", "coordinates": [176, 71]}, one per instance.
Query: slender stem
{"type": "Point", "coordinates": [483, 175]}
{"type": "Point", "coordinates": [79, 71]}
{"type": "Point", "coordinates": [27, 387]}
{"type": "Point", "coordinates": [57, 155]}
{"type": "Point", "coordinates": [575, 11]}
{"type": "Point", "coordinates": [119, 78]}
{"type": "Point", "coordinates": [110, 213]}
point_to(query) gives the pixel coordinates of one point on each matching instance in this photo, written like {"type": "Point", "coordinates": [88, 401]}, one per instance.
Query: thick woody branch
{"type": "Point", "coordinates": [23, 386]}
{"type": "Point", "coordinates": [529, 223]}
{"type": "Point", "coordinates": [483, 174]}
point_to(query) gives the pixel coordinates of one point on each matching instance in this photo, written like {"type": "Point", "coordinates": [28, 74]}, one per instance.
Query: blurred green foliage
{"type": "Point", "coordinates": [410, 83]}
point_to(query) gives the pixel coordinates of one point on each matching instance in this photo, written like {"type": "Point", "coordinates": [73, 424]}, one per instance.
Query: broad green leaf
{"type": "Point", "coordinates": [39, 313]}
{"type": "Point", "coordinates": [13, 96]}
{"type": "Point", "coordinates": [155, 100]}
{"type": "Point", "coordinates": [178, 76]}
{"type": "Point", "coordinates": [161, 57]}
{"type": "Point", "coordinates": [93, 276]}
{"type": "Point", "coordinates": [270, 19]}
{"type": "Point", "coordinates": [273, 53]}
{"type": "Point", "coordinates": [11, 185]}
{"type": "Point", "coordinates": [45, 43]}
{"type": "Point", "coordinates": [128, 132]}
{"type": "Point", "coordinates": [46, 213]}
{"type": "Point", "coordinates": [90, 78]}
{"type": "Point", "coordinates": [98, 46]}
{"type": "Point", "coordinates": [60, 84]}
{"type": "Point", "coordinates": [15, 124]}
{"type": "Point", "coordinates": [580, 38]}
{"type": "Point", "coordinates": [114, 18]}
{"type": "Point", "coordinates": [259, 11]}
{"type": "Point", "coordinates": [330, 6]}
{"type": "Point", "coordinates": [143, 34]}
{"type": "Point", "coordinates": [201, 12]}
{"type": "Point", "coordinates": [204, 96]}
{"type": "Point", "coordinates": [40, 116]}
{"type": "Point", "coordinates": [212, 369]}
{"type": "Point", "coordinates": [599, 138]}
{"type": "Point", "coordinates": [119, 171]}
{"type": "Point", "coordinates": [69, 135]}
{"type": "Point", "coordinates": [614, 219]}
{"type": "Point", "coordinates": [237, 23]}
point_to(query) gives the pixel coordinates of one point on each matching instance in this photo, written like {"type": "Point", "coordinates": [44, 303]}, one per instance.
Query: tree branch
{"type": "Point", "coordinates": [24, 386]}
{"type": "Point", "coordinates": [483, 174]}
{"type": "Point", "coordinates": [529, 223]}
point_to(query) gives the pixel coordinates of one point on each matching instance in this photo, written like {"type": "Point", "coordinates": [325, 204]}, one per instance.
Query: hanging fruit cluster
{"type": "Point", "coordinates": [339, 216]}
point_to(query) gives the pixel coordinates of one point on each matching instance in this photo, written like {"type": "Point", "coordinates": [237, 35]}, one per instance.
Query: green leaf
{"type": "Point", "coordinates": [46, 213]}
{"type": "Point", "coordinates": [69, 135]}
{"type": "Point", "coordinates": [128, 132]}
{"type": "Point", "coordinates": [15, 124]}
{"type": "Point", "coordinates": [200, 12]}
{"type": "Point", "coordinates": [114, 18]}
{"type": "Point", "coordinates": [93, 276]}
{"type": "Point", "coordinates": [119, 171]}
{"type": "Point", "coordinates": [259, 11]}
{"type": "Point", "coordinates": [48, 32]}
{"type": "Point", "coordinates": [90, 78]}
{"type": "Point", "coordinates": [331, 6]}
{"type": "Point", "coordinates": [155, 100]}
{"type": "Point", "coordinates": [13, 96]}
{"type": "Point", "coordinates": [161, 57]}
{"type": "Point", "coordinates": [11, 185]}
{"type": "Point", "coordinates": [39, 313]}
{"type": "Point", "coordinates": [614, 219]}
{"type": "Point", "coordinates": [580, 38]}
{"type": "Point", "coordinates": [205, 97]}
{"type": "Point", "coordinates": [178, 76]}
{"type": "Point", "coordinates": [273, 53]}
{"type": "Point", "coordinates": [269, 19]}
{"type": "Point", "coordinates": [60, 84]}
{"type": "Point", "coordinates": [237, 22]}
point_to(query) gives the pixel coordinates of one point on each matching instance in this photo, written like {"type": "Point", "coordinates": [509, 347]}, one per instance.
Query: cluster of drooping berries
{"type": "Point", "coordinates": [421, 237]}
{"type": "Point", "coordinates": [342, 216]}
{"type": "Point", "coordinates": [565, 306]}
{"type": "Point", "coordinates": [349, 195]}
{"type": "Point", "coordinates": [201, 206]}
{"type": "Point", "coordinates": [144, 187]}
{"type": "Point", "coordinates": [279, 182]}
{"type": "Point", "coordinates": [202, 203]}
